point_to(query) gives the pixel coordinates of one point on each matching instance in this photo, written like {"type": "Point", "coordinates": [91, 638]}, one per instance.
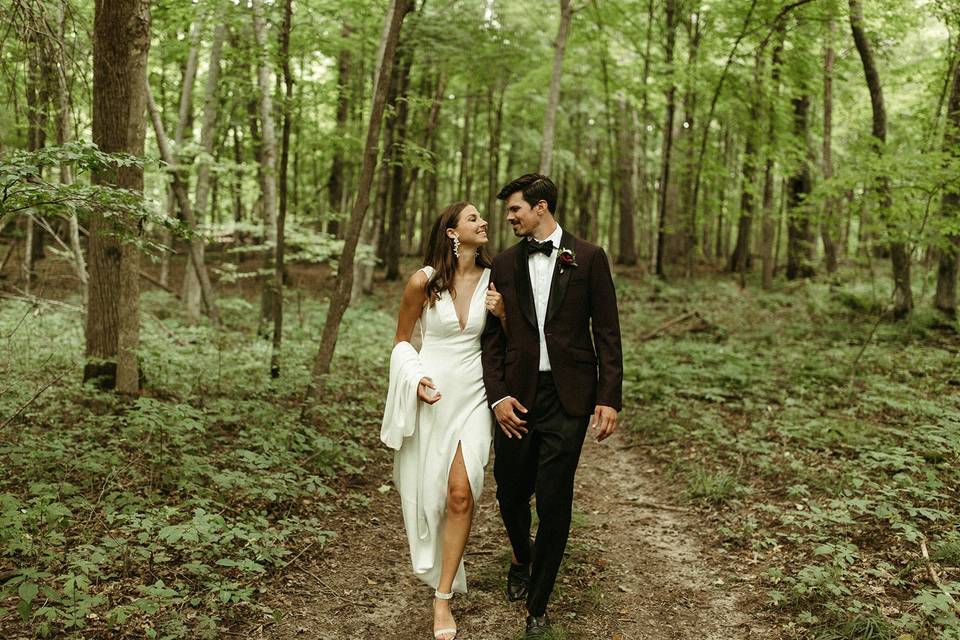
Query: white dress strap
{"type": "Point", "coordinates": [427, 269]}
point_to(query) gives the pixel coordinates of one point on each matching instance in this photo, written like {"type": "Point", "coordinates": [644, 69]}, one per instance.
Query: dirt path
{"type": "Point", "coordinates": [634, 570]}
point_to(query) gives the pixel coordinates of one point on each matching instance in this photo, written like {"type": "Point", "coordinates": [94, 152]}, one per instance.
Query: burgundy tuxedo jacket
{"type": "Point", "coordinates": [582, 331]}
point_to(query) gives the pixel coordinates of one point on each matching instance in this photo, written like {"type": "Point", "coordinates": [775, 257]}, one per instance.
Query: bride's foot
{"type": "Point", "coordinates": [444, 626]}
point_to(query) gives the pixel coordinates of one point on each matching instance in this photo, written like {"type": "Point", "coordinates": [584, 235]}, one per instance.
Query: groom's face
{"type": "Point", "coordinates": [524, 219]}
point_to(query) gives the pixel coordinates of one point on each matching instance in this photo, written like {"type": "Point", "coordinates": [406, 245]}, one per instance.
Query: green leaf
{"type": "Point", "coordinates": [28, 591]}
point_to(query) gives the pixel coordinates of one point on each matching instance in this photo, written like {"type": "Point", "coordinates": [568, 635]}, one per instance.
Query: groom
{"type": "Point", "coordinates": [554, 364]}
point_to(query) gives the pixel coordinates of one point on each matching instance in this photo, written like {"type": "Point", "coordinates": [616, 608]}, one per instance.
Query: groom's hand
{"type": "Point", "coordinates": [604, 421]}
{"type": "Point", "coordinates": [509, 422]}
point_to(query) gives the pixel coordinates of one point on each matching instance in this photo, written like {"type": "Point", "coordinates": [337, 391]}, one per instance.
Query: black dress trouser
{"type": "Point", "coordinates": [542, 462]}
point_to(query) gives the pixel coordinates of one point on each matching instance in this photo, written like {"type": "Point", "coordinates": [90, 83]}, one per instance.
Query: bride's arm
{"type": "Point", "coordinates": [411, 306]}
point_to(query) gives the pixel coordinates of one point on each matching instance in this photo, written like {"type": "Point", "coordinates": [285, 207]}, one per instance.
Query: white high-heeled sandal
{"type": "Point", "coordinates": [442, 632]}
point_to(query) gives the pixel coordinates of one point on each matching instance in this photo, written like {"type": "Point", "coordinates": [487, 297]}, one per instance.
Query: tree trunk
{"type": "Point", "coordinates": [268, 159]}
{"type": "Point", "coordinates": [740, 259]}
{"type": "Point", "coordinates": [829, 227]}
{"type": "Point", "coordinates": [495, 126]}
{"type": "Point", "coordinates": [398, 186]}
{"type": "Point", "coordinates": [553, 96]}
{"type": "Point", "coordinates": [340, 298]}
{"type": "Point", "coordinates": [335, 185]}
{"type": "Point", "coordinates": [767, 226]}
{"type": "Point", "coordinates": [625, 178]}
{"type": "Point", "coordinates": [946, 297]}
{"type": "Point", "coordinates": [899, 255]}
{"type": "Point", "coordinates": [183, 200]}
{"type": "Point", "coordinates": [121, 41]}
{"type": "Point", "coordinates": [799, 228]}
{"type": "Point", "coordinates": [63, 136]}
{"type": "Point", "coordinates": [192, 286]}
{"type": "Point", "coordinates": [671, 31]}
{"type": "Point", "coordinates": [278, 267]}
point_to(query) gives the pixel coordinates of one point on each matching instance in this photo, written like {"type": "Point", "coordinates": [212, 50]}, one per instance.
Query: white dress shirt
{"type": "Point", "coordinates": [541, 269]}
{"type": "Point", "coordinates": [541, 278]}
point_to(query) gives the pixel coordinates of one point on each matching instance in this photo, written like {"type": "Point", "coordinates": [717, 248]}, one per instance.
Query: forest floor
{"type": "Point", "coordinates": [635, 568]}
{"type": "Point", "coordinates": [782, 460]}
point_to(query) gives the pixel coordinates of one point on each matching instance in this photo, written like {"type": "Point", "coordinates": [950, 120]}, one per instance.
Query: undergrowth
{"type": "Point", "coordinates": [826, 462]}
{"type": "Point", "coordinates": [164, 516]}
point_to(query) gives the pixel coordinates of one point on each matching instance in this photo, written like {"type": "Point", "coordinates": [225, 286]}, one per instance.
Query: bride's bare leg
{"type": "Point", "coordinates": [456, 531]}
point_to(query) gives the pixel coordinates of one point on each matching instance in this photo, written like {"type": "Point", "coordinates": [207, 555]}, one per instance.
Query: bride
{"type": "Point", "coordinates": [437, 416]}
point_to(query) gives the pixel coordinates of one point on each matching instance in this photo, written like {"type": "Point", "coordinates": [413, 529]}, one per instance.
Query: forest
{"type": "Point", "coordinates": [208, 210]}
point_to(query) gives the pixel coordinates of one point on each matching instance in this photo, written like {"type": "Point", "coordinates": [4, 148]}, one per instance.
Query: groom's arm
{"type": "Point", "coordinates": [605, 321]}
{"type": "Point", "coordinates": [493, 343]}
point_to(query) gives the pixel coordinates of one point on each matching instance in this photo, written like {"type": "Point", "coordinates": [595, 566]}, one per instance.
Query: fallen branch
{"type": "Point", "coordinates": [167, 330]}
{"type": "Point", "coordinates": [935, 578]}
{"type": "Point", "coordinates": [672, 322]}
{"type": "Point", "coordinates": [37, 395]}
{"type": "Point", "coordinates": [149, 278]}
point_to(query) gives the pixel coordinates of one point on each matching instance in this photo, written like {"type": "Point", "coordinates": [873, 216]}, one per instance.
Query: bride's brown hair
{"type": "Point", "coordinates": [440, 253]}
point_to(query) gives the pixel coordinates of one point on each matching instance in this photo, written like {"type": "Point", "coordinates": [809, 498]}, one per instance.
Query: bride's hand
{"type": "Point", "coordinates": [494, 302]}
{"type": "Point", "coordinates": [427, 391]}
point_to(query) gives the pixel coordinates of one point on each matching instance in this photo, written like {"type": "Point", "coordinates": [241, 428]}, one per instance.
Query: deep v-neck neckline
{"type": "Point", "coordinates": [463, 326]}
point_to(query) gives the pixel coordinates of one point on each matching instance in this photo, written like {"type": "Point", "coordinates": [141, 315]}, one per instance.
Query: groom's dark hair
{"type": "Point", "coordinates": [534, 187]}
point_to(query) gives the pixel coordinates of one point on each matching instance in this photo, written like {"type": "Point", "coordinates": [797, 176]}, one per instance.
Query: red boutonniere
{"type": "Point", "coordinates": [567, 258]}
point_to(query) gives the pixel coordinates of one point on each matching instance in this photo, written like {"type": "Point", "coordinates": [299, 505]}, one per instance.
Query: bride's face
{"type": "Point", "coordinates": [471, 228]}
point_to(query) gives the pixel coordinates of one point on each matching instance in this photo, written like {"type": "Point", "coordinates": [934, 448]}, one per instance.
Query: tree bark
{"type": "Point", "coordinates": [268, 159]}
{"type": "Point", "coordinates": [946, 296]}
{"type": "Point", "coordinates": [278, 266]}
{"type": "Point", "coordinates": [340, 298]}
{"type": "Point", "coordinates": [553, 97]}
{"type": "Point", "coordinates": [740, 258]}
{"type": "Point", "coordinates": [398, 186]}
{"type": "Point", "coordinates": [767, 225]}
{"type": "Point", "coordinates": [671, 31]}
{"type": "Point", "coordinates": [335, 185]}
{"type": "Point", "coordinates": [899, 255]}
{"type": "Point", "coordinates": [799, 228]}
{"type": "Point", "coordinates": [193, 288]}
{"type": "Point", "coordinates": [625, 179]}
{"type": "Point", "coordinates": [121, 41]}
{"type": "Point", "coordinates": [830, 229]}
{"type": "Point", "coordinates": [186, 210]}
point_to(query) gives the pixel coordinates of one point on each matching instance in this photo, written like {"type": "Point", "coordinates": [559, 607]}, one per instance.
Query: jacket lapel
{"type": "Point", "coordinates": [524, 288]}
{"type": "Point", "coordinates": [558, 287]}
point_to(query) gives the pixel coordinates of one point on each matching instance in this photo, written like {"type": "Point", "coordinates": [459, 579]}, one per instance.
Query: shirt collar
{"type": "Point", "coordinates": [555, 237]}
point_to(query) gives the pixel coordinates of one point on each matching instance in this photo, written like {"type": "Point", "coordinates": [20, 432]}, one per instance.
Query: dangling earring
{"type": "Point", "coordinates": [456, 247]}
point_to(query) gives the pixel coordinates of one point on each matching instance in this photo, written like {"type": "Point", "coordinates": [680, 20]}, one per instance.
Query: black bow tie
{"type": "Point", "coordinates": [546, 247]}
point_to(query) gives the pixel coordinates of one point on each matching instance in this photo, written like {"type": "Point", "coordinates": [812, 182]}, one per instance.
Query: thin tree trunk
{"type": "Point", "coordinates": [190, 290]}
{"type": "Point", "coordinates": [740, 258]}
{"type": "Point", "coordinates": [768, 230]}
{"type": "Point", "coordinates": [799, 227]}
{"type": "Point", "coordinates": [63, 136]}
{"type": "Point", "coordinates": [268, 158]}
{"type": "Point", "coordinates": [398, 186]}
{"type": "Point", "coordinates": [192, 286]}
{"type": "Point", "coordinates": [671, 31]}
{"type": "Point", "coordinates": [121, 41]}
{"type": "Point", "coordinates": [335, 185]}
{"type": "Point", "coordinates": [946, 296]}
{"type": "Point", "coordinates": [830, 228]}
{"type": "Point", "coordinates": [340, 298]}
{"type": "Point", "coordinates": [278, 267]}
{"type": "Point", "coordinates": [899, 255]}
{"type": "Point", "coordinates": [625, 178]}
{"type": "Point", "coordinates": [186, 210]}
{"type": "Point", "coordinates": [553, 96]}
{"type": "Point", "coordinates": [495, 126]}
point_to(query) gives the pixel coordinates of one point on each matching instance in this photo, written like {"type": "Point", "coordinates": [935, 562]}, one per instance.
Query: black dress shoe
{"type": "Point", "coordinates": [537, 626]}
{"type": "Point", "coordinates": [518, 581]}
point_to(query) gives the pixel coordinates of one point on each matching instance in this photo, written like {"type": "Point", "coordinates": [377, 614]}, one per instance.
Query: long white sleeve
{"type": "Point", "coordinates": [400, 413]}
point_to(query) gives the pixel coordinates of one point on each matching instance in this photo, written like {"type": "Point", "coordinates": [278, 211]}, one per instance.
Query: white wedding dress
{"type": "Point", "coordinates": [451, 358]}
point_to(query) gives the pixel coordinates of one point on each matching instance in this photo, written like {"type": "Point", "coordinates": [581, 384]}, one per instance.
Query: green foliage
{"type": "Point", "coordinates": [824, 465]}
{"type": "Point", "coordinates": [165, 516]}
